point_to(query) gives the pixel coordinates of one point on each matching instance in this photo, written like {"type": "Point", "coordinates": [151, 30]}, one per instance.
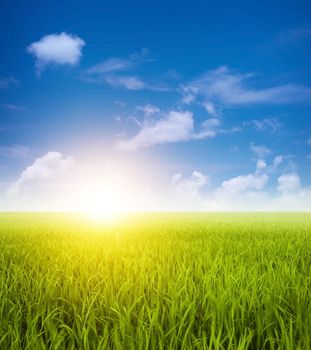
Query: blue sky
{"type": "Point", "coordinates": [155, 105]}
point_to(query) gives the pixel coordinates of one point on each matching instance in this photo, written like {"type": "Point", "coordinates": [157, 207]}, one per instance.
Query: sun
{"type": "Point", "coordinates": [102, 204]}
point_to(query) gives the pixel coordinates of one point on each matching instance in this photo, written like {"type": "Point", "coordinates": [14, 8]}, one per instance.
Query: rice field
{"type": "Point", "coordinates": [155, 281]}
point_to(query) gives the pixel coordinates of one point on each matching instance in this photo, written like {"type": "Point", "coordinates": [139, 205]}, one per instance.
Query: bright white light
{"type": "Point", "coordinates": [103, 216]}
{"type": "Point", "coordinates": [101, 203]}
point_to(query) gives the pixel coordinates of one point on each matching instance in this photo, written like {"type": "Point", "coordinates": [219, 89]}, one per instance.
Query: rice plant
{"type": "Point", "coordinates": [155, 281]}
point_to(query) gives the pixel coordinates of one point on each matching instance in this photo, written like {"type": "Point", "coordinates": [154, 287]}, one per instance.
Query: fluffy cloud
{"type": "Point", "coordinates": [288, 183]}
{"type": "Point", "coordinates": [46, 167]}
{"type": "Point", "coordinates": [242, 193]}
{"type": "Point", "coordinates": [175, 126]}
{"type": "Point", "coordinates": [260, 151]}
{"type": "Point", "coordinates": [245, 183]}
{"type": "Point", "coordinates": [186, 191]}
{"type": "Point", "coordinates": [225, 87]}
{"type": "Point", "coordinates": [56, 49]}
{"type": "Point", "coordinates": [190, 185]}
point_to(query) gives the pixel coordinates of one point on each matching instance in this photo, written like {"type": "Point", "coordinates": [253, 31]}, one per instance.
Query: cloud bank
{"type": "Point", "coordinates": [247, 192]}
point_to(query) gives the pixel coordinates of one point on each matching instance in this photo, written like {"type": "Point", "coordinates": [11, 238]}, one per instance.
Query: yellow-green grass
{"type": "Point", "coordinates": [155, 281]}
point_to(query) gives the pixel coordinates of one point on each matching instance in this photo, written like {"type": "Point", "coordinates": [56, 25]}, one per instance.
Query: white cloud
{"type": "Point", "coordinates": [209, 128]}
{"type": "Point", "coordinates": [58, 49]}
{"type": "Point", "coordinates": [270, 124]}
{"type": "Point", "coordinates": [288, 183]}
{"type": "Point", "coordinates": [228, 88]}
{"type": "Point", "coordinates": [15, 152]}
{"type": "Point", "coordinates": [245, 183]}
{"type": "Point", "coordinates": [149, 109]}
{"type": "Point", "coordinates": [127, 82]}
{"type": "Point", "coordinates": [46, 167]}
{"type": "Point", "coordinates": [246, 192]}
{"type": "Point", "coordinates": [143, 55]}
{"type": "Point", "coordinates": [120, 103]}
{"type": "Point", "coordinates": [185, 192]}
{"type": "Point", "coordinates": [210, 108]}
{"type": "Point", "coordinates": [260, 151]}
{"type": "Point", "coordinates": [261, 164]}
{"type": "Point", "coordinates": [175, 126]}
{"type": "Point", "coordinates": [109, 66]}
{"type": "Point", "coordinates": [309, 142]}
{"type": "Point", "coordinates": [277, 161]}
{"type": "Point", "coordinates": [190, 185]}
{"type": "Point", "coordinates": [115, 72]}
{"type": "Point", "coordinates": [98, 72]}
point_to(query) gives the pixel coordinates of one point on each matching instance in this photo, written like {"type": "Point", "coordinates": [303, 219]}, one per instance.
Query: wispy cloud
{"type": "Point", "coordinates": [148, 109]}
{"type": "Point", "coordinates": [15, 152]}
{"type": "Point", "coordinates": [271, 124]}
{"type": "Point", "coordinates": [14, 108]}
{"type": "Point", "coordinates": [295, 35]}
{"type": "Point", "coordinates": [109, 66]}
{"type": "Point", "coordinates": [225, 87]}
{"type": "Point", "coordinates": [58, 49]}
{"type": "Point", "coordinates": [210, 108]}
{"type": "Point", "coordinates": [260, 151]}
{"type": "Point", "coordinates": [128, 82]}
{"type": "Point", "coordinates": [119, 72]}
{"type": "Point", "coordinates": [174, 126]}
{"type": "Point", "coordinates": [6, 82]}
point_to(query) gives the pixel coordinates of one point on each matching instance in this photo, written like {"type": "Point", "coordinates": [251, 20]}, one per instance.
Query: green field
{"type": "Point", "coordinates": [155, 281]}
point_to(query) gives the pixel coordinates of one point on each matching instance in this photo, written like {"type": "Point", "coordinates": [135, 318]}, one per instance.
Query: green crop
{"type": "Point", "coordinates": [156, 281]}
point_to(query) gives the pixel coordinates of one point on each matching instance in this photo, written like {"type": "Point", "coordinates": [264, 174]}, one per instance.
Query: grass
{"type": "Point", "coordinates": [156, 281]}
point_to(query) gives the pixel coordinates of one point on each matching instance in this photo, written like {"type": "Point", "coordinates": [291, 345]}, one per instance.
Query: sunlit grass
{"type": "Point", "coordinates": [155, 281]}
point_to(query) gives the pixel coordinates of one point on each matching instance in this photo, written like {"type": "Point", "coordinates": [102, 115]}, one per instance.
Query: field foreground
{"type": "Point", "coordinates": [155, 281]}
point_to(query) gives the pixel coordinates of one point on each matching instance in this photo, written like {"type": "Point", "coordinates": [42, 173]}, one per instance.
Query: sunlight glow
{"type": "Point", "coordinates": [102, 204]}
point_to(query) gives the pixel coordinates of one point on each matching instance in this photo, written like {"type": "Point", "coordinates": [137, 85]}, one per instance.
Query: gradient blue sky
{"type": "Point", "coordinates": [192, 105]}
